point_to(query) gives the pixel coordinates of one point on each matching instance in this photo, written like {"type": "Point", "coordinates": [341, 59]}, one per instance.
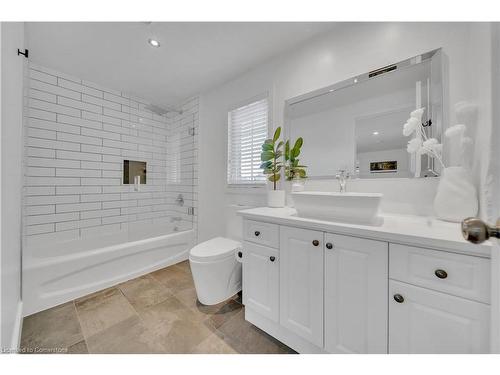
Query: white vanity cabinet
{"type": "Point", "coordinates": [356, 272]}
{"type": "Point", "coordinates": [329, 288]}
{"type": "Point", "coordinates": [301, 282]}
{"type": "Point", "coordinates": [438, 301]}
{"type": "Point", "coordinates": [424, 321]}
{"type": "Point", "coordinates": [261, 280]}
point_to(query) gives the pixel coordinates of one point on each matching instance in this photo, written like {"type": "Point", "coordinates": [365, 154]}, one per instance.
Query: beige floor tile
{"type": "Point", "coordinates": [155, 313]}
{"type": "Point", "coordinates": [184, 266]}
{"type": "Point", "coordinates": [175, 326]}
{"type": "Point", "coordinates": [78, 348]}
{"type": "Point", "coordinates": [174, 278]}
{"type": "Point", "coordinates": [102, 310]}
{"type": "Point", "coordinates": [54, 328]}
{"type": "Point", "coordinates": [213, 344]}
{"type": "Point", "coordinates": [182, 336]}
{"type": "Point", "coordinates": [188, 297]}
{"type": "Point", "coordinates": [130, 336]}
{"type": "Point", "coordinates": [224, 313]}
{"type": "Point", "coordinates": [217, 314]}
{"type": "Point", "coordinates": [144, 291]}
{"type": "Point", "coordinates": [244, 337]}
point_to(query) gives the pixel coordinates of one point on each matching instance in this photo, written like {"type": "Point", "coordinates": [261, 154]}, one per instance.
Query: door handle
{"type": "Point", "coordinates": [477, 231]}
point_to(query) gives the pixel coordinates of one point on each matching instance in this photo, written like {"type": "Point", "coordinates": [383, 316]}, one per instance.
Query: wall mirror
{"type": "Point", "coordinates": [357, 124]}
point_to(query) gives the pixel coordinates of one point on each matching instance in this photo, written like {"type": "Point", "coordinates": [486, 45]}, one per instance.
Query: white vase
{"type": "Point", "coordinates": [456, 197]}
{"type": "Point", "coordinates": [276, 198]}
{"type": "Point", "coordinates": [293, 186]}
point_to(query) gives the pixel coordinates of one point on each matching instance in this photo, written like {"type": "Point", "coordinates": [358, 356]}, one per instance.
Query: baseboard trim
{"type": "Point", "coordinates": [18, 327]}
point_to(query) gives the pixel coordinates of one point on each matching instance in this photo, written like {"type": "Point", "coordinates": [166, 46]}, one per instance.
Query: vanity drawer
{"type": "Point", "coordinates": [261, 233]}
{"type": "Point", "coordinates": [460, 275]}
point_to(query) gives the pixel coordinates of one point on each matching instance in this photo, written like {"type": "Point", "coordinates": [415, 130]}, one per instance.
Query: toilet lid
{"type": "Point", "coordinates": [216, 248]}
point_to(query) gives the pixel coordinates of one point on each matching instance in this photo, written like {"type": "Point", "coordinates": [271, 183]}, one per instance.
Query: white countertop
{"type": "Point", "coordinates": [410, 230]}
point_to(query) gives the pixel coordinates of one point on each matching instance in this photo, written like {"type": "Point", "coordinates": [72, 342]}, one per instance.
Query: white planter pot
{"type": "Point", "coordinates": [456, 197]}
{"type": "Point", "coordinates": [276, 198]}
{"type": "Point", "coordinates": [293, 187]}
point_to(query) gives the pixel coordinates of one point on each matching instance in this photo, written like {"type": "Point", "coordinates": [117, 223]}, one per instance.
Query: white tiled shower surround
{"type": "Point", "coordinates": [77, 135]}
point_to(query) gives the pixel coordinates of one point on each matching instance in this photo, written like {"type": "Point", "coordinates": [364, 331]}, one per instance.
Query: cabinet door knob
{"type": "Point", "coordinates": [240, 254]}
{"type": "Point", "coordinates": [257, 233]}
{"type": "Point", "coordinates": [315, 242]}
{"type": "Point", "coordinates": [272, 258]}
{"type": "Point", "coordinates": [399, 298]}
{"type": "Point", "coordinates": [329, 246]}
{"type": "Point", "coordinates": [442, 274]}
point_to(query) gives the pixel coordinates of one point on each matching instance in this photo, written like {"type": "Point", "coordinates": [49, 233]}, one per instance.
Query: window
{"type": "Point", "coordinates": [247, 131]}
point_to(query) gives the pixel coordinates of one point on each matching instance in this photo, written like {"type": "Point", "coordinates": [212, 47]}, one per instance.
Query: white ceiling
{"type": "Point", "coordinates": [193, 57]}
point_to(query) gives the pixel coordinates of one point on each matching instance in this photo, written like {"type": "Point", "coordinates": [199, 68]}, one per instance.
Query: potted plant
{"type": "Point", "coordinates": [272, 165]}
{"type": "Point", "coordinates": [295, 173]}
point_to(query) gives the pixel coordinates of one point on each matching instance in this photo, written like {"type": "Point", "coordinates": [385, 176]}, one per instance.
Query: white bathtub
{"type": "Point", "coordinates": [59, 273]}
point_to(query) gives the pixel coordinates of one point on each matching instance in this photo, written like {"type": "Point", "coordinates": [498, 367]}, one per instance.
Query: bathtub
{"type": "Point", "coordinates": [60, 273]}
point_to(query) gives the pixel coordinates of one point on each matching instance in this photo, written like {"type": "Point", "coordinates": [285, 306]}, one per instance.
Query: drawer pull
{"type": "Point", "coordinates": [399, 298]}
{"type": "Point", "coordinates": [272, 258]}
{"type": "Point", "coordinates": [257, 233]}
{"type": "Point", "coordinates": [329, 246]}
{"type": "Point", "coordinates": [315, 242]}
{"type": "Point", "coordinates": [442, 274]}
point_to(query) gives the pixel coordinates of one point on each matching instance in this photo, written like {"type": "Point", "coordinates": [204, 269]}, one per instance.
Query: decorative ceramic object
{"type": "Point", "coordinates": [294, 186]}
{"type": "Point", "coordinates": [276, 198]}
{"type": "Point", "coordinates": [456, 197]}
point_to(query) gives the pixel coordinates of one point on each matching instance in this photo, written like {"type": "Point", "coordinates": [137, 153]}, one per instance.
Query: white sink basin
{"type": "Point", "coordinates": [362, 208]}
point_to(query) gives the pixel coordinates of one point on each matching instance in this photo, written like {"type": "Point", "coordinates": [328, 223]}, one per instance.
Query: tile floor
{"type": "Point", "coordinates": [154, 313]}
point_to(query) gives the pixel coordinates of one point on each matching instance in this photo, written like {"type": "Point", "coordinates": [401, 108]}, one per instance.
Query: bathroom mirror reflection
{"type": "Point", "coordinates": [357, 124]}
{"type": "Point", "coordinates": [131, 169]}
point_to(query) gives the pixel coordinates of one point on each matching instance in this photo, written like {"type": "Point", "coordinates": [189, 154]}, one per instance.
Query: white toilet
{"type": "Point", "coordinates": [216, 263]}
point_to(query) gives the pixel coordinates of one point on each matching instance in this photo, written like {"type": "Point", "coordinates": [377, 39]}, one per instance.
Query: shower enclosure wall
{"type": "Point", "coordinates": [84, 229]}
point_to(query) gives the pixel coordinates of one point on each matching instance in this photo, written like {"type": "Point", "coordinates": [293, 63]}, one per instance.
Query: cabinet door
{"type": "Point", "coordinates": [301, 283]}
{"type": "Point", "coordinates": [261, 280]}
{"type": "Point", "coordinates": [425, 321]}
{"type": "Point", "coordinates": [356, 274]}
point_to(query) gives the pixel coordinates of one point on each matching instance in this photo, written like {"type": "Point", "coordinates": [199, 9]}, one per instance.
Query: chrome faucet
{"type": "Point", "coordinates": [342, 176]}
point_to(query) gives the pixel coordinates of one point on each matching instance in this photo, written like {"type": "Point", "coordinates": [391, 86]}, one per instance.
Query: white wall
{"type": "Point", "coordinates": [12, 66]}
{"type": "Point", "coordinates": [77, 135]}
{"type": "Point", "coordinates": [346, 51]}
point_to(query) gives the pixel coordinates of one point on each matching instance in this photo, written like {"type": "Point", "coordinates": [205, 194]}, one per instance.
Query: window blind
{"type": "Point", "coordinates": [247, 131]}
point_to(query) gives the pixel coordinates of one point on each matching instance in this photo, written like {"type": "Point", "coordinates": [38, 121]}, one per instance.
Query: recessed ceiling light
{"type": "Point", "coordinates": [154, 42]}
{"type": "Point", "coordinates": [375, 133]}
{"type": "Point", "coordinates": [355, 80]}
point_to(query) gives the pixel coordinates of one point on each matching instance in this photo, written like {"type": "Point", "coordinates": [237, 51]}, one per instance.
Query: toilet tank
{"type": "Point", "coordinates": [234, 222]}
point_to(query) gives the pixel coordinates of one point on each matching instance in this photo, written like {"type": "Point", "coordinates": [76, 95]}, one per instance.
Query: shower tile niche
{"type": "Point", "coordinates": [132, 168]}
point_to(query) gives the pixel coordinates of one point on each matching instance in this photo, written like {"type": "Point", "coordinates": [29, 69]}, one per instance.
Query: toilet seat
{"type": "Point", "coordinates": [215, 249]}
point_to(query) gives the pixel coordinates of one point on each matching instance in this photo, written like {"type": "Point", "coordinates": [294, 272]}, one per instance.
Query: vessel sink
{"type": "Point", "coordinates": [362, 208]}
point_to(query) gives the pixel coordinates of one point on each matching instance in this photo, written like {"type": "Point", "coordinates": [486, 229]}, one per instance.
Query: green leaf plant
{"type": "Point", "coordinates": [271, 157]}
{"type": "Point", "coordinates": [292, 167]}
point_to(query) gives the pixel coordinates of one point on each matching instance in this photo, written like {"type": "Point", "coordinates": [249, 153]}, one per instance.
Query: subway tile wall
{"type": "Point", "coordinates": [77, 134]}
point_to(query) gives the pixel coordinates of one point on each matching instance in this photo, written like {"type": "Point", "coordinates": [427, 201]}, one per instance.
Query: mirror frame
{"type": "Point", "coordinates": [438, 119]}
